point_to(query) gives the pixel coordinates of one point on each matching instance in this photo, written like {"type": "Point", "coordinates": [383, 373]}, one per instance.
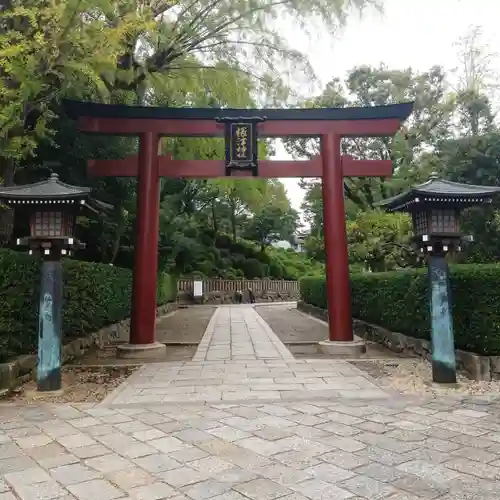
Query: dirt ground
{"type": "Point", "coordinates": [80, 385]}
{"type": "Point", "coordinates": [294, 328]}
{"type": "Point", "coordinates": [107, 356]}
{"type": "Point", "coordinates": [99, 371]}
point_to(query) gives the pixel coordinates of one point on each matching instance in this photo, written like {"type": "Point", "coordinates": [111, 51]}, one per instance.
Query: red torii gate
{"type": "Point", "coordinates": [151, 123]}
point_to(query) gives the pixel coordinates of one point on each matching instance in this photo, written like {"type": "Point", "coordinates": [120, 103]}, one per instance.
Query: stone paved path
{"type": "Point", "coordinates": [241, 359]}
{"type": "Point", "coordinates": [322, 448]}
{"type": "Point", "coordinates": [239, 333]}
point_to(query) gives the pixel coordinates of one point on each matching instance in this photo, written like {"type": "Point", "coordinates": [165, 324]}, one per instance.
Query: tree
{"type": "Point", "coordinates": [376, 240]}
{"type": "Point", "coordinates": [477, 83]}
{"type": "Point", "coordinates": [181, 53]}
{"type": "Point", "coordinates": [476, 160]}
{"type": "Point", "coordinates": [193, 34]}
{"type": "Point", "coordinates": [368, 86]}
{"type": "Point", "coordinates": [427, 127]}
{"type": "Point", "coordinates": [380, 241]}
{"type": "Point", "coordinates": [47, 49]}
{"type": "Point", "coordinates": [272, 223]}
{"type": "Point", "coordinates": [130, 50]}
{"type": "Point", "coordinates": [238, 198]}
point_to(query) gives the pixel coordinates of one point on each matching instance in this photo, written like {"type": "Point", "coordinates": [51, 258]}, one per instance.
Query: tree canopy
{"type": "Point", "coordinates": [452, 132]}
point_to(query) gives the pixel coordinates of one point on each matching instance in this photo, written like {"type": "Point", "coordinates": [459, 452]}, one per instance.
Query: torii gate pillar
{"type": "Point", "coordinates": [335, 240]}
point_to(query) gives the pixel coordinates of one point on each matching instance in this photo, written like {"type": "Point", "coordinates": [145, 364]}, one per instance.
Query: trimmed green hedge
{"type": "Point", "coordinates": [399, 301]}
{"type": "Point", "coordinates": [95, 295]}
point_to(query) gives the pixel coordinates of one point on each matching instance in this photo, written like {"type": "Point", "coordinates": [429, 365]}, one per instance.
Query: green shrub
{"type": "Point", "coordinates": [95, 295]}
{"type": "Point", "coordinates": [253, 268]}
{"type": "Point", "coordinates": [167, 289]}
{"type": "Point", "coordinates": [399, 301]}
{"type": "Point", "coordinates": [312, 291]}
{"type": "Point", "coordinates": [276, 269]}
{"type": "Point", "coordinates": [19, 277]}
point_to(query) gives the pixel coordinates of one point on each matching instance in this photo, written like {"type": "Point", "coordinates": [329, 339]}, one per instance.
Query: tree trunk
{"type": "Point", "coordinates": [474, 123]}
{"type": "Point", "coordinates": [6, 214]}
{"type": "Point", "coordinates": [233, 220]}
{"type": "Point", "coordinates": [215, 224]}
{"type": "Point", "coordinates": [120, 229]}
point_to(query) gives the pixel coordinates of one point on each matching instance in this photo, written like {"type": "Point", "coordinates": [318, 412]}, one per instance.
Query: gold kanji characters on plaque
{"type": "Point", "coordinates": [241, 136]}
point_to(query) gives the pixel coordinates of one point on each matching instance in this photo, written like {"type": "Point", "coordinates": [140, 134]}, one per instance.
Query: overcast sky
{"type": "Point", "coordinates": [410, 33]}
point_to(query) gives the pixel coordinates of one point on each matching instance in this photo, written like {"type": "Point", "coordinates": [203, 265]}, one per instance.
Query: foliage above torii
{"type": "Point", "coordinates": [370, 86]}
{"type": "Point", "coordinates": [244, 34]}
{"type": "Point", "coordinates": [127, 51]}
{"type": "Point", "coordinates": [49, 48]}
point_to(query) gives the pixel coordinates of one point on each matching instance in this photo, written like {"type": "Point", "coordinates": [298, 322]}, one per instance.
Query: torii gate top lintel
{"type": "Point", "coordinates": [119, 119]}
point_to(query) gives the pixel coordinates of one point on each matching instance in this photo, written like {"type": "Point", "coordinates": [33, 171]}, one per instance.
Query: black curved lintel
{"type": "Point", "coordinates": [76, 109]}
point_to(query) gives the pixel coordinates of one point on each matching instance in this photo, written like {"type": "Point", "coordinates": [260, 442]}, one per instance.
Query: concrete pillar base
{"type": "Point", "coordinates": [141, 351]}
{"type": "Point", "coordinates": [351, 348]}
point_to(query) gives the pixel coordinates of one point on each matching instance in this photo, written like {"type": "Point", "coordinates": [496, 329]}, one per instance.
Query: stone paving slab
{"type": "Point", "coordinates": [251, 380]}
{"type": "Point", "coordinates": [307, 450]}
{"type": "Point", "coordinates": [239, 333]}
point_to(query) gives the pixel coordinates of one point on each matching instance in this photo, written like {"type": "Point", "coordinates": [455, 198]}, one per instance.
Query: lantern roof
{"type": "Point", "coordinates": [47, 190]}
{"type": "Point", "coordinates": [437, 191]}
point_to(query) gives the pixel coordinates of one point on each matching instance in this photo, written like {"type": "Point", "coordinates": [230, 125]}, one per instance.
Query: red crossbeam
{"type": "Point", "coordinates": [204, 169]}
{"type": "Point", "coordinates": [210, 128]}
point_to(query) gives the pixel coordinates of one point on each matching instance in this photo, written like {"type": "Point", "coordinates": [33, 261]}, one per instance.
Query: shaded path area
{"type": "Point", "coordinates": [181, 330]}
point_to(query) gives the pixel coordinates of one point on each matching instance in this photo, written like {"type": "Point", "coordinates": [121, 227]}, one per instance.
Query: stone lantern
{"type": "Point", "coordinates": [52, 207]}
{"type": "Point", "coordinates": [435, 208]}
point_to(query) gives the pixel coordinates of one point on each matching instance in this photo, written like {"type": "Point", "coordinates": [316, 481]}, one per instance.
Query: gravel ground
{"type": "Point", "coordinates": [293, 327]}
{"type": "Point", "coordinates": [185, 326]}
{"type": "Point", "coordinates": [414, 377]}
{"type": "Point", "coordinates": [80, 385]}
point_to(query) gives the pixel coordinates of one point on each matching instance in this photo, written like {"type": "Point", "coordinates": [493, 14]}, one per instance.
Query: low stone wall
{"type": "Point", "coordinates": [214, 298]}
{"type": "Point", "coordinates": [20, 370]}
{"type": "Point", "coordinates": [219, 291]}
{"type": "Point", "coordinates": [475, 366]}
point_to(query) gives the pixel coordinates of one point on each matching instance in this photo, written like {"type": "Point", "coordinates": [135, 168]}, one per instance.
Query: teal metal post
{"type": "Point", "coordinates": [444, 368]}
{"type": "Point", "coordinates": [48, 368]}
